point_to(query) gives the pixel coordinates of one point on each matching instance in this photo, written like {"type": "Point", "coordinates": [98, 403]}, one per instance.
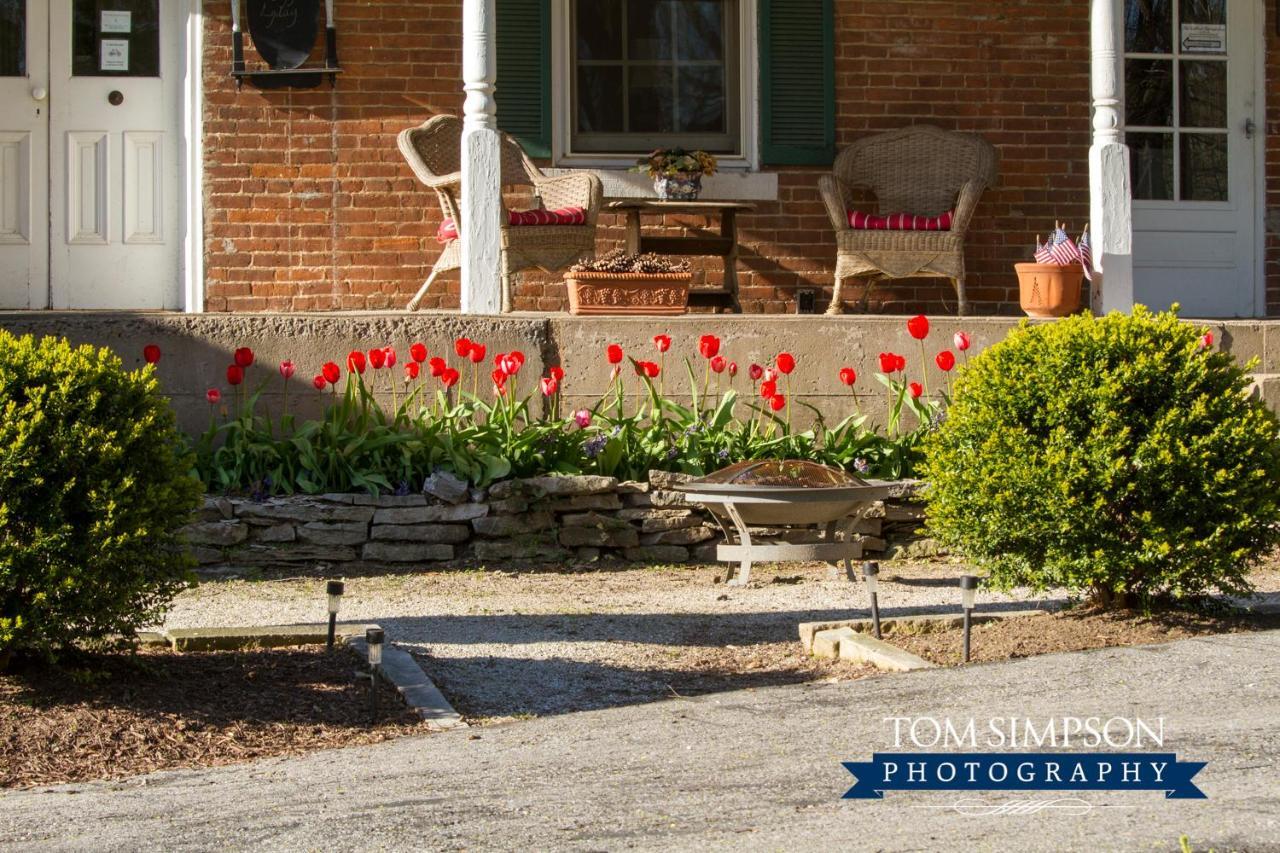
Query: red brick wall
{"type": "Point", "coordinates": [309, 205]}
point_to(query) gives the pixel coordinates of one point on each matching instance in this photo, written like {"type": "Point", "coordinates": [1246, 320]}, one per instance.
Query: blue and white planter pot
{"type": "Point", "coordinates": [682, 187]}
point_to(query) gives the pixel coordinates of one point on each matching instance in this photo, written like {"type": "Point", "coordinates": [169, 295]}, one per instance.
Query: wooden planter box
{"type": "Point", "coordinates": [628, 293]}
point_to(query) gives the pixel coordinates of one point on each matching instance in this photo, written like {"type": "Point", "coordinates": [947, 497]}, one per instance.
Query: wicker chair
{"type": "Point", "coordinates": [434, 151]}
{"type": "Point", "coordinates": [920, 170]}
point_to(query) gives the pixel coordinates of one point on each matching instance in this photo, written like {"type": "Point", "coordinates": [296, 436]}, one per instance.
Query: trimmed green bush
{"type": "Point", "coordinates": [1117, 456]}
{"type": "Point", "coordinates": [94, 485]}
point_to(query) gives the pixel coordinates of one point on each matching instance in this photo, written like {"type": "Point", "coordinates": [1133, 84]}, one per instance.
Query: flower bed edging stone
{"type": "Point", "coordinates": [572, 519]}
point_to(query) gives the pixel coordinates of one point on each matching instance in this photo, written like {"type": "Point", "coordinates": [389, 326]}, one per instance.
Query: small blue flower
{"type": "Point", "coordinates": [673, 452]}
{"type": "Point", "coordinates": [592, 446]}
{"type": "Point", "coordinates": [723, 454]}
{"type": "Point", "coordinates": [860, 465]}
{"type": "Point", "coordinates": [402, 489]}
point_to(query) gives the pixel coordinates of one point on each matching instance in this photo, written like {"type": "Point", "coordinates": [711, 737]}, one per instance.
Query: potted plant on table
{"type": "Point", "coordinates": [619, 283]}
{"type": "Point", "coordinates": [677, 173]}
{"type": "Point", "coordinates": [1050, 287]}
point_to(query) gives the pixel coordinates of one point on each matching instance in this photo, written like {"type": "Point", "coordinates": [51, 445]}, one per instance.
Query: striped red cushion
{"type": "Point", "coordinates": [448, 231]}
{"type": "Point", "coordinates": [860, 221]}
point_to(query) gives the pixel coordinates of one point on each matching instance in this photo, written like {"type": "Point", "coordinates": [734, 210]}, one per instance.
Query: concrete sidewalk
{"type": "Point", "coordinates": [745, 770]}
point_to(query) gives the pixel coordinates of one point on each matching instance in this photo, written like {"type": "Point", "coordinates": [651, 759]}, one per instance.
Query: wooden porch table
{"type": "Point", "coordinates": [725, 245]}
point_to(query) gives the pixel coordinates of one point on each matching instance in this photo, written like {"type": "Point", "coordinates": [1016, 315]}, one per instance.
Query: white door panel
{"type": "Point", "coordinates": [24, 154]}
{"type": "Point", "coordinates": [1190, 95]}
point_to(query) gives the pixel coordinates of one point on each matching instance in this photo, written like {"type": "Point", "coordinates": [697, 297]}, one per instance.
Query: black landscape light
{"type": "Point", "coordinates": [373, 638]}
{"type": "Point", "coordinates": [335, 590]}
{"type": "Point", "coordinates": [968, 592]}
{"type": "Point", "coordinates": [871, 573]}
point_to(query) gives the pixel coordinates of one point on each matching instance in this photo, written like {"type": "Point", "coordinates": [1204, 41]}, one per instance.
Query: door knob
{"type": "Point", "coordinates": [115, 99]}
{"type": "Point", "coordinates": [1250, 128]}
{"type": "Point", "coordinates": [39, 93]}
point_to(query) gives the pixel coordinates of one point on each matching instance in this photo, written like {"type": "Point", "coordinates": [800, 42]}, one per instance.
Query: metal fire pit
{"type": "Point", "coordinates": [785, 494]}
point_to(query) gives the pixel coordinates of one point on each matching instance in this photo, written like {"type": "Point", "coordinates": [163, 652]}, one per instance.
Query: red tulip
{"type": "Point", "coordinates": [614, 353]}
{"type": "Point", "coordinates": [786, 362]}
{"type": "Point", "coordinates": [900, 362]}
{"type": "Point", "coordinates": [946, 360]}
{"type": "Point", "coordinates": [518, 356]}
{"type": "Point", "coordinates": [1206, 340]}
{"type": "Point", "coordinates": [915, 390]}
{"type": "Point", "coordinates": [648, 368]}
{"type": "Point", "coordinates": [151, 354]}
{"type": "Point", "coordinates": [377, 358]}
{"type": "Point", "coordinates": [662, 342]}
{"type": "Point", "coordinates": [438, 366]}
{"type": "Point", "coordinates": [476, 354]}
{"type": "Point", "coordinates": [450, 377]}
{"type": "Point", "coordinates": [718, 364]}
{"type": "Point", "coordinates": [709, 346]}
{"type": "Point", "coordinates": [331, 372]}
{"type": "Point", "coordinates": [318, 382]}
{"type": "Point", "coordinates": [777, 402]}
{"type": "Point", "coordinates": [549, 386]}
{"type": "Point", "coordinates": [755, 371]}
{"type": "Point", "coordinates": [768, 389]}
{"type": "Point", "coordinates": [462, 346]}
{"type": "Point", "coordinates": [918, 326]}
{"type": "Point", "coordinates": [244, 357]}
{"type": "Point", "coordinates": [961, 340]}
{"type": "Point", "coordinates": [287, 369]}
{"type": "Point", "coordinates": [888, 362]}
{"type": "Point", "coordinates": [582, 418]}
{"type": "Point", "coordinates": [770, 375]}
{"type": "Point", "coordinates": [499, 378]}
{"type": "Point", "coordinates": [391, 356]}
{"type": "Point", "coordinates": [733, 368]}
{"type": "Point", "coordinates": [411, 370]}
{"type": "Point", "coordinates": [213, 395]}
{"type": "Point", "coordinates": [848, 376]}
{"type": "Point", "coordinates": [557, 373]}
{"type": "Point", "coordinates": [355, 361]}
{"type": "Point", "coordinates": [235, 374]}
{"type": "Point", "coordinates": [418, 352]}
{"type": "Point", "coordinates": [508, 364]}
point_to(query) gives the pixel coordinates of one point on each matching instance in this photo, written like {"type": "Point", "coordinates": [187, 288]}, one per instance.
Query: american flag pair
{"type": "Point", "coordinates": [1061, 250]}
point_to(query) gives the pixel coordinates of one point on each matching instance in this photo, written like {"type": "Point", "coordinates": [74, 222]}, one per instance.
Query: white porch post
{"type": "Point", "coordinates": [1110, 192]}
{"type": "Point", "coordinates": [481, 162]}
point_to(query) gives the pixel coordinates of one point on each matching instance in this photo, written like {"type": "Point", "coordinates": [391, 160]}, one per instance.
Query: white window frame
{"type": "Point", "coordinates": [561, 96]}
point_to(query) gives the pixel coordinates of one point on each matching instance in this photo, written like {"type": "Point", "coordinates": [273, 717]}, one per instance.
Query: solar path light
{"type": "Point", "coordinates": [968, 592]}
{"type": "Point", "coordinates": [871, 573]}
{"type": "Point", "coordinates": [335, 590]}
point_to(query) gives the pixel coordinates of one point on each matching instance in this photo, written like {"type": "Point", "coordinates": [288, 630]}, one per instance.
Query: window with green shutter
{"type": "Point", "coordinates": [797, 82]}
{"type": "Point", "coordinates": [524, 73]}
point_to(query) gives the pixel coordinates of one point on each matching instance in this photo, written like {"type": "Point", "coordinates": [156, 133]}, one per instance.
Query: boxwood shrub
{"type": "Point", "coordinates": [1115, 456]}
{"type": "Point", "coordinates": [94, 485]}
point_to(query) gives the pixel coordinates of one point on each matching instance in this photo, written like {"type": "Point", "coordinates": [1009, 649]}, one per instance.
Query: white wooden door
{"type": "Point", "coordinates": [24, 154]}
{"type": "Point", "coordinates": [1191, 122]}
{"type": "Point", "coordinates": [115, 112]}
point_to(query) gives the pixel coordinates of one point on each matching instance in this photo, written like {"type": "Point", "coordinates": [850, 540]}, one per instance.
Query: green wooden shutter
{"type": "Point", "coordinates": [524, 73]}
{"type": "Point", "coordinates": [797, 82]}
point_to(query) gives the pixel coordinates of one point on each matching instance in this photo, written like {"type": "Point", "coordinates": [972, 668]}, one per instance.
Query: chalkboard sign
{"type": "Point", "coordinates": [284, 31]}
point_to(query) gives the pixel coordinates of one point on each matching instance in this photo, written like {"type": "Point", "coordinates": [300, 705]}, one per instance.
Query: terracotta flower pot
{"type": "Point", "coordinates": [628, 293]}
{"type": "Point", "coordinates": [1048, 290]}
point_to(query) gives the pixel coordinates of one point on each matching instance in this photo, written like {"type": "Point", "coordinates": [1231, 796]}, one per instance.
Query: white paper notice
{"type": "Point", "coordinates": [115, 55]}
{"type": "Point", "coordinates": [117, 22]}
{"type": "Point", "coordinates": [1204, 38]}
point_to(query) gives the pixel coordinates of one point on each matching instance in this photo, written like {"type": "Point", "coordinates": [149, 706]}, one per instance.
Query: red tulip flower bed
{"type": "Point", "coordinates": [478, 414]}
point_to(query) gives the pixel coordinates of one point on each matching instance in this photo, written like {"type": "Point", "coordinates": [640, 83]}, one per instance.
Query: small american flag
{"type": "Point", "coordinates": [1062, 250]}
{"type": "Point", "coordinates": [1043, 253]}
{"type": "Point", "coordinates": [1086, 254]}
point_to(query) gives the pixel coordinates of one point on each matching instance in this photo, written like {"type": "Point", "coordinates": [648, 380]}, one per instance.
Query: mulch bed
{"type": "Point", "coordinates": [115, 715]}
{"type": "Point", "coordinates": [1072, 631]}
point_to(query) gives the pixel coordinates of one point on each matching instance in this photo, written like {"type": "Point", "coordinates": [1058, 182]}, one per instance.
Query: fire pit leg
{"type": "Point", "coordinates": [744, 537]}
{"type": "Point", "coordinates": [847, 529]}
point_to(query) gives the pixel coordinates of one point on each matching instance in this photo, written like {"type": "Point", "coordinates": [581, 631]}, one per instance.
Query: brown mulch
{"type": "Point", "coordinates": [1073, 631]}
{"type": "Point", "coordinates": [110, 716]}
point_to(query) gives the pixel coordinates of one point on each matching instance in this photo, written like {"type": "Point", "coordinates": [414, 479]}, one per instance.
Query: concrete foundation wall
{"type": "Point", "coordinates": [198, 348]}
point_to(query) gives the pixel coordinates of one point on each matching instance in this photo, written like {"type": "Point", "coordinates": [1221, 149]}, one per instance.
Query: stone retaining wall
{"type": "Point", "coordinates": [575, 520]}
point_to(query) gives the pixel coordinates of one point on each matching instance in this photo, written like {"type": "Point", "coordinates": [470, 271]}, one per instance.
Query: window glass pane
{"type": "Point", "coordinates": [600, 99]}
{"type": "Point", "coordinates": [13, 38]}
{"type": "Point", "coordinates": [1203, 11]}
{"type": "Point", "coordinates": [650, 99]}
{"type": "Point", "coordinates": [1148, 26]}
{"type": "Point", "coordinates": [1151, 165]}
{"type": "Point", "coordinates": [1204, 94]}
{"type": "Point", "coordinates": [649, 29]}
{"type": "Point", "coordinates": [116, 38]}
{"type": "Point", "coordinates": [1204, 167]}
{"type": "Point", "coordinates": [701, 92]}
{"type": "Point", "coordinates": [600, 30]}
{"type": "Point", "coordinates": [700, 30]}
{"type": "Point", "coordinates": [1148, 92]}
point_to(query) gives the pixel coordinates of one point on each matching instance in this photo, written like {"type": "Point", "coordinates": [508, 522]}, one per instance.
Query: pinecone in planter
{"type": "Point", "coordinates": [618, 261]}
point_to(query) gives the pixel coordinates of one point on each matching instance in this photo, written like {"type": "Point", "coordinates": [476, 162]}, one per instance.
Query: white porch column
{"type": "Point", "coordinates": [1110, 192]}
{"type": "Point", "coordinates": [481, 162]}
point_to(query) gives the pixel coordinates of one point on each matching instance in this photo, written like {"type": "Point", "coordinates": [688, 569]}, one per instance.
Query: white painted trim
{"type": "Point", "coordinates": [191, 167]}
{"type": "Point", "coordinates": [749, 106]}
{"type": "Point", "coordinates": [1260, 161]}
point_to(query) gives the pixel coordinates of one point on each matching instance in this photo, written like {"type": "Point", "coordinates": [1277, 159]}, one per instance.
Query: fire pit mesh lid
{"type": "Point", "coordinates": [792, 473]}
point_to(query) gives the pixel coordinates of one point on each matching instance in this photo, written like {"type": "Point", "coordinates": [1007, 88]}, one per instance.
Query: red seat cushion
{"type": "Point", "coordinates": [860, 221]}
{"type": "Point", "coordinates": [448, 231]}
